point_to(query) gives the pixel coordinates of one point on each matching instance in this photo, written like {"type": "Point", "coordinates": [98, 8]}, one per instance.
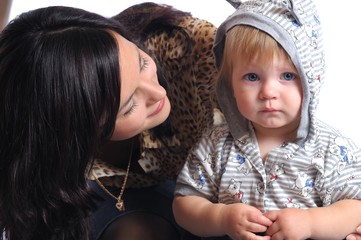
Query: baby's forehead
{"type": "Point", "coordinates": [258, 55]}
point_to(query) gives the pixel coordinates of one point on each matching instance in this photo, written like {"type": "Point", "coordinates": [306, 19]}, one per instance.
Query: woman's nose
{"type": "Point", "coordinates": [153, 91]}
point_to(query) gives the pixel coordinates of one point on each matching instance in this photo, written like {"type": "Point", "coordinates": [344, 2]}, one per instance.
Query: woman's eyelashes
{"type": "Point", "coordinates": [144, 63]}
{"type": "Point", "coordinates": [130, 110]}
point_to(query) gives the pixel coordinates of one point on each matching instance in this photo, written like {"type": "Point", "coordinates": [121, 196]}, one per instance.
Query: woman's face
{"type": "Point", "coordinates": [143, 102]}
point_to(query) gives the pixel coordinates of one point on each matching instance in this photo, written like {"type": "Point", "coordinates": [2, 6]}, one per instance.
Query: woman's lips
{"type": "Point", "coordinates": [159, 108]}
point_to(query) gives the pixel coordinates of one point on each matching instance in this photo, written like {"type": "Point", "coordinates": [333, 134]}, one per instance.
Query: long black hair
{"type": "Point", "coordinates": [59, 97]}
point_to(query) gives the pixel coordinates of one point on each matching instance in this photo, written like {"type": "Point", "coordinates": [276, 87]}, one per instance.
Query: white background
{"type": "Point", "coordinates": [339, 104]}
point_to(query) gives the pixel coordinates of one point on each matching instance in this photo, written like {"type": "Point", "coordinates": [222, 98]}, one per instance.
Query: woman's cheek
{"type": "Point", "coordinates": [128, 127]}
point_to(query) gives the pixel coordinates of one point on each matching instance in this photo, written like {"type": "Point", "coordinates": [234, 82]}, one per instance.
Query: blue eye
{"type": "Point", "coordinates": [288, 76]}
{"type": "Point", "coordinates": [252, 77]}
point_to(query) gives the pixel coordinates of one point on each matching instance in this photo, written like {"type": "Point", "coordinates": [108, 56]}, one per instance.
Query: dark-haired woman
{"type": "Point", "coordinates": [182, 46]}
{"type": "Point", "coordinates": [70, 81]}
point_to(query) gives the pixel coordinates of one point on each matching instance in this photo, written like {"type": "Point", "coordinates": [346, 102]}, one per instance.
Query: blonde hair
{"type": "Point", "coordinates": [251, 43]}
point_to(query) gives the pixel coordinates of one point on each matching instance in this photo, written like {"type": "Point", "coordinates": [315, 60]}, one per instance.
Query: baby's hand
{"type": "Point", "coordinates": [356, 235]}
{"type": "Point", "coordinates": [289, 223]}
{"type": "Point", "coordinates": [242, 221]}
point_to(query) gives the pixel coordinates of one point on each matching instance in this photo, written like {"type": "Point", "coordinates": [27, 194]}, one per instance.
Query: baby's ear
{"type": "Point", "coordinates": [235, 3]}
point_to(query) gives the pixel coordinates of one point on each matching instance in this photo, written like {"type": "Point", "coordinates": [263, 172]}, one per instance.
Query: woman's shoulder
{"type": "Point", "coordinates": [201, 30]}
{"type": "Point", "coordinates": [190, 39]}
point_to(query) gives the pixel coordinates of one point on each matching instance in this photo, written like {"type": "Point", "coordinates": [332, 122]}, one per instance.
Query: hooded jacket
{"type": "Point", "coordinates": [295, 25]}
{"type": "Point", "coordinates": [317, 169]}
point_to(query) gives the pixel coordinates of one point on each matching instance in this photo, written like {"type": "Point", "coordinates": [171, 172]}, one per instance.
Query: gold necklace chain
{"type": "Point", "coordinates": [120, 203]}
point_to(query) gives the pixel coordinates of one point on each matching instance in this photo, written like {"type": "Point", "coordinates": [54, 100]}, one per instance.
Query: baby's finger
{"type": "Point", "coordinates": [271, 215]}
{"type": "Point", "coordinates": [262, 220]}
{"type": "Point", "coordinates": [259, 224]}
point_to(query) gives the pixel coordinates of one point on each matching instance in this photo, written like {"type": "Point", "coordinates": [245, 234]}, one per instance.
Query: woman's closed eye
{"type": "Point", "coordinates": [144, 63]}
{"type": "Point", "coordinates": [130, 109]}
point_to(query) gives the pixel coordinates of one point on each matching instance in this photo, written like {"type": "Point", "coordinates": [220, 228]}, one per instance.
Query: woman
{"type": "Point", "coordinates": [182, 45]}
{"type": "Point", "coordinates": [69, 82]}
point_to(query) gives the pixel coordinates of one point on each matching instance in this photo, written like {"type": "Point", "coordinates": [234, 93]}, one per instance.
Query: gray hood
{"type": "Point", "coordinates": [295, 25]}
